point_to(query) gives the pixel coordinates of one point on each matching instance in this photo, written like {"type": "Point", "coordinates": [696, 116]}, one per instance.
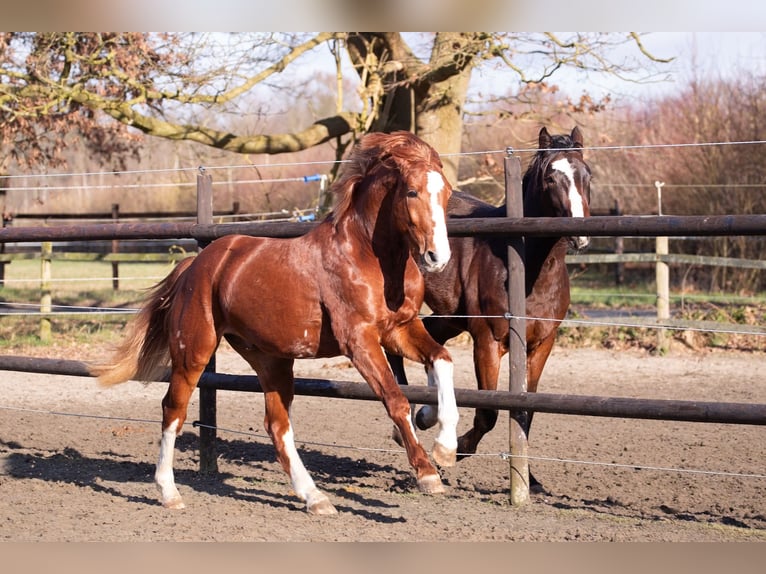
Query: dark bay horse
{"type": "Point", "coordinates": [351, 286]}
{"type": "Point", "coordinates": [470, 294]}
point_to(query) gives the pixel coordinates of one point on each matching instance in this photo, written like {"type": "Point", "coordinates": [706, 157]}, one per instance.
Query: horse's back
{"type": "Point", "coordinates": [462, 204]}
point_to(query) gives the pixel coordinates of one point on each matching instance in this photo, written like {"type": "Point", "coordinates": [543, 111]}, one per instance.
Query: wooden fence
{"type": "Point", "coordinates": [513, 227]}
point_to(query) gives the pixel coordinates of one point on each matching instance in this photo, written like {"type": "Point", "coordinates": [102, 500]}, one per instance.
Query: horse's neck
{"type": "Point", "coordinates": [538, 250]}
{"type": "Point", "coordinates": [371, 224]}
{"type": "Point", "coordinates": [540, 255]}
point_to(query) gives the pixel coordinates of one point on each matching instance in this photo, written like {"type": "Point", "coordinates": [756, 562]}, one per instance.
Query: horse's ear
{"type": "Point", "coordinates": [543, 139]}
{"type": "Point", "coordinates": [577, 137]}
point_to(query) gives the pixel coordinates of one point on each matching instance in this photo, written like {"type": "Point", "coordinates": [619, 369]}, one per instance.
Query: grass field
{"type": "Point", "coordinates": [78, 287]}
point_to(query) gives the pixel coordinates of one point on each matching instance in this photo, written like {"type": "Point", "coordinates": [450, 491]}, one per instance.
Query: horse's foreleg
{"type": "Point", "coordinates": [441, 331]}
{"type": "Point", "coordinates": [537, 356]}
{"type": "Point", "coordinates": [414, 342]}
{"type": "Point", "coordinates": [397, 367]}
{"type": "Point", "coordinates": [487, 353]}
{"type": "Point", "coordinates": [368, 358]}
{"type": "Point", "coordinates": [440, 375]}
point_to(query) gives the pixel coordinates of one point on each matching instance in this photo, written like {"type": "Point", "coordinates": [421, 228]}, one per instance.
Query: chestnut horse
{"type": "Point", "coordinates": [351, 286]}
{"type": "Point", "coordinates": [471, 293]}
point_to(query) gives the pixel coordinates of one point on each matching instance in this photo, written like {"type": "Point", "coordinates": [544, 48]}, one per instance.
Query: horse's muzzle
{"type": "Point", "coordinates": [579, 243]}
{"type": "Point", "coordinates": [433, 262]}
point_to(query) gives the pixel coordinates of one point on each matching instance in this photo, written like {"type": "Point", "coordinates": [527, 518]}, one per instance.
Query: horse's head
{"type": "Point", "coordinates": [557, 182]}
{"type": "Point", "coordinates": [421, 208]}
{"type": "Point", "coordinates": [402, 172]}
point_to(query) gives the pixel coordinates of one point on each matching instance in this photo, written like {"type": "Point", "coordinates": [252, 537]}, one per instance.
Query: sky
{"type": "Point", "coordinates": [722, 38]}
{"type": "Point", "coordinates": [708, 53]}
{"type": "Point", "coordinates": [720, 54]}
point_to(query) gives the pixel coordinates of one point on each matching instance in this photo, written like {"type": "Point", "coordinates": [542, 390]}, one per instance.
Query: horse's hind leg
{"type": "Point", "coordinates": [189, 356]}
{"type": "Point", "coordinates": [174, 408]}
{"type": "Point", "coordinates": [276, 378]}
{"type": "Point", "coordinates": [278, 425]}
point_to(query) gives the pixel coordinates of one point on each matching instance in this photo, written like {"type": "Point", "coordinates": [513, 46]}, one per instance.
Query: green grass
{"type": "Point", "coordinates": [89, 284]}
{"type": "Point", "coordinates": [84, 276]}
{"type": "Point", "coordinates": [611, 297]}
{"type": "Point", "coordinates": [73, 285]}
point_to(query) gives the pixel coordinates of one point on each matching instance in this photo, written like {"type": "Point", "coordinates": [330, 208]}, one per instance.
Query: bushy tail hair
{"type": "Point", "coordinates": [143, 355]}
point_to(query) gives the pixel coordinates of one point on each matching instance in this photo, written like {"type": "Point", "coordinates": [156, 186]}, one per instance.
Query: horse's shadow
{"type": "Point", "coordinates": [335, 475]}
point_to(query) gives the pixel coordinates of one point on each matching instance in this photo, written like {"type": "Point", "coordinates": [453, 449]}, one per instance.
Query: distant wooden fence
{"type": "Point", "coordinates": [662, 261]}
{"type": "Point", "coordinates": [112, 251]}
{"type": "Point", "coordinates": [172, 251]}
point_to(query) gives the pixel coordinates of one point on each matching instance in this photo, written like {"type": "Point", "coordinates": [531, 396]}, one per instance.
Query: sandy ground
{"type": "Point", "coordinates": [76, 461]}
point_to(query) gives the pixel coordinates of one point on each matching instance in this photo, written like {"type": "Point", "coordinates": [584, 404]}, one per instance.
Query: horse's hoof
{"type": "Point", "coordinates": [426, 417]}
{"type": "Point", "coordinates": [464, 449]}
{"type": "Point", "coordinates": [535, 487]}
{"type": "Point", "coordinates": [397, 436]}
{"type": "Point", "coordinates": [430, 484]}
{"type": "Point", "coordinates": [322, 507]}
{"type": "Point", "coordinates": [174, 504]}
{"type": "Point", "coordinates": [444, 456]}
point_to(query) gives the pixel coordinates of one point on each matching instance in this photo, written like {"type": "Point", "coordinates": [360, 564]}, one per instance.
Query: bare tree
{"type": "Point", "coordinates": [54, 84]}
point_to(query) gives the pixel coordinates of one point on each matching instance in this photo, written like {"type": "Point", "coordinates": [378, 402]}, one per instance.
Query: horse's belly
{"type": "Point", "coordinates": [291, 337]}
{"type": "Point", "coordinates": [280, 336]}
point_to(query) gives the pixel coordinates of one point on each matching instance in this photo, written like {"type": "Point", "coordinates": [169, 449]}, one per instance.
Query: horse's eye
{"type": "Point", "coordinates": [412, 193]}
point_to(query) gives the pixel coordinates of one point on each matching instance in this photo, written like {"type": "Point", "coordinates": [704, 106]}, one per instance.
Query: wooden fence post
{"type": "Point", "coordinates": [46, 250]}
{"type": "Point", "coordinates": [619, 248]}
{"type": "Point", "coordinates": [662, 279]}
{"type": "Point", "coordinates": [2, 245]}
{"type": "Point", "coordinates": [517, 350]}
{"type": "Point", "coordinates": [208, 409]}
{"type": "Point", "coordinates": [115, 249]}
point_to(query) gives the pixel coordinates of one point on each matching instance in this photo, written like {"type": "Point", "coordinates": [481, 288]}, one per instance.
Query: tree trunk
{"type": "Point", "coordinates": [439, 119]}
{"type": "Point", "coordinates": [407, 94]}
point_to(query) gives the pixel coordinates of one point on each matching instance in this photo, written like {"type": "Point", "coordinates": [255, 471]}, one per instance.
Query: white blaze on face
{"type": "Point", "coordinates": [575, 199]}
{"type": "Point", "coordinates": [435, 184]}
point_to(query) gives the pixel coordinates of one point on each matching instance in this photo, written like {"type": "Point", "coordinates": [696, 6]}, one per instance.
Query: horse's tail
{"type": "Point", "coordinates": [143, 355]}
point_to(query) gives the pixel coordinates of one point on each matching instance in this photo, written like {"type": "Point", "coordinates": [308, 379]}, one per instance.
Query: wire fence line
{"type": "Point", "coordinates": [499, 455]}
{"type": "Point", "coordinates": [34, 310]}
{"type": "Point", "coordinates": [152, 186]}
{"type": "Point", "coordinates": [313, 164]}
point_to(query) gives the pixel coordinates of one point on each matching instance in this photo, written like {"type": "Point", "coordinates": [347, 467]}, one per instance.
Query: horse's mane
{"type": "Point", "coordinates": [401, 151]}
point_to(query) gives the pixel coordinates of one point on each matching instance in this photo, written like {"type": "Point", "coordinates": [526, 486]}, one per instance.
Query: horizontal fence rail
{"type": "Point", "coordinates": [604, 226]}
{"type": "Point", "coordinates": [585, 405]}
{"type": "Point", "coordinates": [670, 258]}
